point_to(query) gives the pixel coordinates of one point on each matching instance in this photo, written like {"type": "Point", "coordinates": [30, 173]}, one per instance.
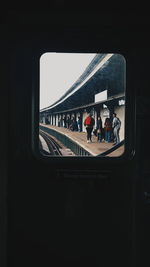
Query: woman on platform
{"type": "Point", "coordinates": [99, 129]}
{"type": "Point", "coordinates": [108, 130]}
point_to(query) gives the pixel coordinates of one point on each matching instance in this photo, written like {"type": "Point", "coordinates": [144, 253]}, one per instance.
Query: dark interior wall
{"type": "Point", "coordinates": [76, 213]}
{"type": "Point", "coordinates": [54, 218]}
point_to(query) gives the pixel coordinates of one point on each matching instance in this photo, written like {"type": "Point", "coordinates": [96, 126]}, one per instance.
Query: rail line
{"type": "Point", "coordinates": [53, 146]}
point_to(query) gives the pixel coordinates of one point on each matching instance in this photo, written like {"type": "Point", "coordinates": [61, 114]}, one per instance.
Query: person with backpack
{"type": "Point", "coordinates": [116, 124]}
{"type": "Point", "coordinates": [108, 129]}
{"type": "Point", "coordinates": [89, 122]}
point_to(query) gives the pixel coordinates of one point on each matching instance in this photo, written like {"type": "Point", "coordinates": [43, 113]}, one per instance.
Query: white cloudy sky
{"type": "Point", "coordinates": [58, 71]}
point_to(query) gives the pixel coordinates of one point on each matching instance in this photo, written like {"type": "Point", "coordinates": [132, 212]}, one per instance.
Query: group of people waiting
{"type": "Point", "coordinates": [108, 133]}
{"type": "Point", "coordinates": [71, 123]}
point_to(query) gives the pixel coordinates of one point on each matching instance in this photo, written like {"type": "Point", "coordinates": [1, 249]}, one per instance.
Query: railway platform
{"type": "Point", "coordinates": [95, 148]}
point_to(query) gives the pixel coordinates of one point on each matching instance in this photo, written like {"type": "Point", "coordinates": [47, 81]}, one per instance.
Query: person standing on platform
{"type": "Point", "coordinates": [116, 124]}
{"type": "Point", "coordinates": [89, 122]}
{"type": "Point", "coordinates": [99, 129]}
{"type": "Point", "coordinates": [108, 129]}
{"type": "Point", "coordinates": [59, 122]}
{"type": "Point", "coordinates": [64, 122]}
{"type": "Point", "coordinates": [79, 122]}
{"type": "Point", "coordinates": [73, 125]}
{"type": "Point", "coordinates": [68, 122]}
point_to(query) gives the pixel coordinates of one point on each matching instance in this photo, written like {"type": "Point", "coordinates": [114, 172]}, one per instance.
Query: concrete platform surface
{"type": "Point", "coordinates": [94, 148]}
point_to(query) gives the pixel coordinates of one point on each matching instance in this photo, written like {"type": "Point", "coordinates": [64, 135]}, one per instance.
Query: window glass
{"type": "Point", "coordinates": [82, 104]}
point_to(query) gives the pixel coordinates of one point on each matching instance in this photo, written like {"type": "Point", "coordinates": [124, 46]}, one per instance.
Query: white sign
{"type": "Point", "coordinates": [121, 102]}
{"type": "Point", "coordinates": [101, 96]}
{"type": "Point", "coordinates": [106, 113]}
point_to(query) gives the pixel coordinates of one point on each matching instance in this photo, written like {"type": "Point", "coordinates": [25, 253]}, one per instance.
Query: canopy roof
{"type": "Point", "coordinates": [105, 72]}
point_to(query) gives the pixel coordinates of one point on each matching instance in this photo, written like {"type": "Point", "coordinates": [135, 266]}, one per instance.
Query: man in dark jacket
{"type": "Point", "coordinates": [79, 122]}
{"type": "Point", "coordinates": [99, 129]}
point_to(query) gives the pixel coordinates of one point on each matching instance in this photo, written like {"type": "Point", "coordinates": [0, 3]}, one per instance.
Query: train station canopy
{"type": "Point", "coordinates": [106, 72]}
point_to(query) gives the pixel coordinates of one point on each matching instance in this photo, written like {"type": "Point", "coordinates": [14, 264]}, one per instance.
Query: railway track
{"type": "Point", "coordinates": [53, 146]}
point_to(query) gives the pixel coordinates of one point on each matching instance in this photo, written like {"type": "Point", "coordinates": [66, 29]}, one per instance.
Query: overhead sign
{"type": "Point", "coordinates": [121, 102]}
{"type": "Point", "coordinates": [106, 113]}
{"type": "Point", "coordinates": [102, 96]}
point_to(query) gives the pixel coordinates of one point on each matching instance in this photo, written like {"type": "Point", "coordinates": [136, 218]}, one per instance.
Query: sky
{"type": "Point", "coordinates": [58, 72]}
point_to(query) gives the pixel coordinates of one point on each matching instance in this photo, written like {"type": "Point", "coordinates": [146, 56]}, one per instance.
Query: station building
{"type": "Point", "coordinates": [100, 90]}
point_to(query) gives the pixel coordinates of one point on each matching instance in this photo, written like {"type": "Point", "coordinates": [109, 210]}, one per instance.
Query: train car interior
{"type": "Point", "coordinates": [78, 210]}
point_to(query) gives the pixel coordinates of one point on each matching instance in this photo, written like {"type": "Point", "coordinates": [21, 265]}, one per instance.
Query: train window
{"type": "Point", "coordinates": [82, 104]}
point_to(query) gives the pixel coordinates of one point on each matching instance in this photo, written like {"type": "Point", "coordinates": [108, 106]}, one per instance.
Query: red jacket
{"type": "Point", "coordinates": [107, 126]}
{"type": "Point", "coordinates": [89, 121]}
